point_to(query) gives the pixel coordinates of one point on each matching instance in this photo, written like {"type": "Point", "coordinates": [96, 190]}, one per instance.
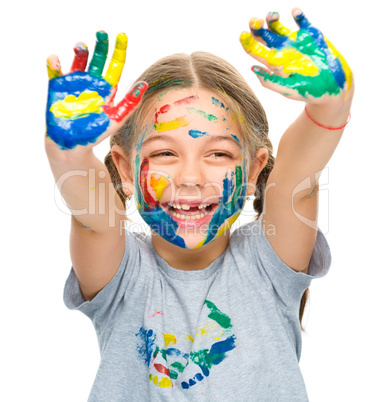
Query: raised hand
{"type": "Point", "coordinates": [80, 109]}
{"type": "Point", "coordinates": [301, 65]}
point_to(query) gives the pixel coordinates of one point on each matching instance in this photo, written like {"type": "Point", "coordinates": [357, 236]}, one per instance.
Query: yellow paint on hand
{"type": "Point", "coordinates": [280, 29]}
{"type": "Point", "coordinates": [113, 74]}
{"type": "Point", "coordinates": [171, 125]}
{"type": "Point", "coordinates": [346, 67]}
{"type": "Point", "coordinates": [52, 73]}
{"type": "Point", "coordinates": [289, 59]}
{"type": "Point", "coordinates": [170, 339]}
{"type": "Point", "coordinates": [73, 107]}
{"type": "Point", "coordinates": [158, 185]}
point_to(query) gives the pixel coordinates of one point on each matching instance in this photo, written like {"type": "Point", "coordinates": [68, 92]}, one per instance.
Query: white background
{"type": "Point", "coordinates": [49, 353]}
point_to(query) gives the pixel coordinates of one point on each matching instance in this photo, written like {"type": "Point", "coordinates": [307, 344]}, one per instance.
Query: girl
{"type": "Point", "coordinates": [190, 312]}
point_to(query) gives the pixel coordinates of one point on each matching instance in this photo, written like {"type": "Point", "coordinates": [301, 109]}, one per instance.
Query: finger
{"type": "Point", "coordinates": [284, 62]}
{"type": "Point", "coordinates": [53, 67]}
{"type": "Point", "coordinates": [128, 104]}
{"type": "Point", "coordinates": [276, 26]}
{"type": "Point", "coordinates": [253, 47]}
{"type": "Point", "coordinates": [100, 54]}
{"type": "Point", "coordinates": [80, 58]}
{"type": "Point", "coordinates": [117, 63]}
{"type": "Point", "coordinates": [271, 39]}
{"type": "Point", "coordinates": [300, 18]}
{"type": "Point", "coordinates": [276, 83]}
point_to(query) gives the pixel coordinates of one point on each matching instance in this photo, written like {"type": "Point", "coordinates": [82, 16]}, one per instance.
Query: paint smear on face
{"type": "Point", "coordinates": [218, 103]}
{"type": "Point", "coordinates": [197, 133]}
{"type": "Point", "coordinates": [158, 185]}
{"type": "Point", "coordinates": [171, 125]}
{"type": "Point", "coordinates": [210, 117]}
{"type": "Point", "coordinates": [236, 138]}
{"type": "Point", "coordinates": [187, 100]}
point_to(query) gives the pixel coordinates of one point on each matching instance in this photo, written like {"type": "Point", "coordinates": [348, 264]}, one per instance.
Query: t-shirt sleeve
{"type": "Point", "coordinates": [272, 273]}
{"type": "Point", "coordinates": [103, 308]}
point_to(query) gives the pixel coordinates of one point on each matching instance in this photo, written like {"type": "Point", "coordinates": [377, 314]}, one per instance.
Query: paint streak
{"type": "Point", "coordinates": [171, 125]}
{"type": "Point", "coordinates": [81, 57]}
{"type": "Point", "coordinates": [73, 107]}
{"type": "Point", "coordinates": [170, 339]}
{"type": "Point", "coordinates": [163, 383]}
{"type": "Point", "coordinates": [236, 138]}
{"type": "Point", "coordinates": [186, 100]}
{"type": "Point", "coordinates": [155, 314]}
{"type": "Point", "coordinates": [218, 103]}
{"type": "Point", "coordinates": [100, 54]}
{"type": "Point", "coordinates": [163, 109]}
{"type": "Point", "coordinates": [158, 185]}
{"type": "Point", "coordinates": [162, 369]}
{"type": "Point", "coordinates": [215, 314]}
{"type": "Point", "coordinates": [113, 74]}
{"type": "Point", "coordinates": [210, 117]}
{"type": "Point", "coordinates": [197, 133]}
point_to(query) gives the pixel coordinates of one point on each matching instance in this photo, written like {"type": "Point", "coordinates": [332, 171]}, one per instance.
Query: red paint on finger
{"type": "Point", "coordinates": [127, 104]}
{"type": "Point", "coordinates": [80, 58]}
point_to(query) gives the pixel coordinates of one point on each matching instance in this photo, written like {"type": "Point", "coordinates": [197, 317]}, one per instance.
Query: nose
{"type": "Point", "coordinates": [190, 173]}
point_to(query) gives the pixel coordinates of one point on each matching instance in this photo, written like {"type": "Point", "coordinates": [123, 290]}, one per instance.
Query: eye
{"type": "Point", "coordinates": [163, 154]}
{"type": "Point", "coordinates": [220, 155]}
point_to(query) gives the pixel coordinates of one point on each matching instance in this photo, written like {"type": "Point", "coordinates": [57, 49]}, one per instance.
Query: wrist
{"type": "Point", "coordinates": [329, 115]}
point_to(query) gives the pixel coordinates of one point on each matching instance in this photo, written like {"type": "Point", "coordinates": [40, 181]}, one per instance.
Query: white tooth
{"type": "Point", "coordinates": [198, 216]}
{"type": "Point", "coordinates": [188, 217]}
{"type": "Point", "coordinates": [178, 206]}
{"type": "Point", "coordinates": [200, 206]}
{"type": "Point", "coordinates": [182, 216]}
{"type": "Point", "coordinates": [185, 207]}
{"type": "Point", "coordinates": [192, 217]}
{"type": "Point", "coordinates": [178, 215]}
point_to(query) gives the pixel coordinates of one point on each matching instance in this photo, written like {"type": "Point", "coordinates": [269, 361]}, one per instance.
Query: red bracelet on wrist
{"type": "Point", "coordinates": [327, 128]}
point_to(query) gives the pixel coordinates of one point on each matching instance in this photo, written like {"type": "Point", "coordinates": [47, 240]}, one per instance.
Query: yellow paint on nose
{"type": "Point", "coordinates": [73, 107]}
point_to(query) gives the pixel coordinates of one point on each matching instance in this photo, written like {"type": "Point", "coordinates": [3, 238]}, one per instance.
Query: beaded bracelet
{"type": "Point", "coordinates": [327, 128]}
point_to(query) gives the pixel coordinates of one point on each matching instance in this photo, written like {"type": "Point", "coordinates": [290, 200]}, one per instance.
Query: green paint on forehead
{"type": "Point", "coordinates": [210, 117]}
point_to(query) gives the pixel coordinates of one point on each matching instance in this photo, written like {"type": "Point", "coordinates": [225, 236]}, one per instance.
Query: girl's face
{"type": "Point", "coordinates": [190, 168]}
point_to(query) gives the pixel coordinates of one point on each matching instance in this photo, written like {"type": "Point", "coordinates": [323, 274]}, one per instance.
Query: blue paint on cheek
{"type": "Point", "coordinates": [197, 133]}
{"type": "Point", "coordinates": [228, 187]}
{"type": "Point", "coordinates": [159, 220]}
{"type": "Point", "coordinates": [82, 130]}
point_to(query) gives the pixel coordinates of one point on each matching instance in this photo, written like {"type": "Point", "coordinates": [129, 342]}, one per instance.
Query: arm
{"type": "Point", "coordinates": [291, 203]}
{"type": "Point", "coordinates": [80, 114]}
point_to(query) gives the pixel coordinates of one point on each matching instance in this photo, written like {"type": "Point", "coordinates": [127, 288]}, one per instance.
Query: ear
{"type": "Point", "coordinates": [259, 162]}
{"type": "Point", "coordinates": [122, 163]}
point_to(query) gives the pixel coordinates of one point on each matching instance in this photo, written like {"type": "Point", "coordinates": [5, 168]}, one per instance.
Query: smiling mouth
{"type": "Point", "coordinates": [190, 212]}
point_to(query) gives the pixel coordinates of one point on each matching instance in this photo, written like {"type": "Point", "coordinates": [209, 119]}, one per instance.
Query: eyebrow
{"type": "Point", "coordinates": [208, 138]}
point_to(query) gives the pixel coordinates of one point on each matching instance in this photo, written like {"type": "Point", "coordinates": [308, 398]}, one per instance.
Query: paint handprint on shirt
{"type": "Point", "coordinates": [170, 366]}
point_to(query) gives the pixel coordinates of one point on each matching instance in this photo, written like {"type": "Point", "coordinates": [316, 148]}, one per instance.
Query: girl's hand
{"type": "Point", "coordinates": [80, 108]}
{"type": "Point", "coordinates": [301, 65]}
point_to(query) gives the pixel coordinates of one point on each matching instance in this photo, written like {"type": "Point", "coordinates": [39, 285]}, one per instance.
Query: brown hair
{"type": "Point", "coordinates": [206, 71]}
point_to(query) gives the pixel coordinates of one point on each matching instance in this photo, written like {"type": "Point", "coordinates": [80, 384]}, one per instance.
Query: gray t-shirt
{"type": "Point", "coordinates": [228, 332]}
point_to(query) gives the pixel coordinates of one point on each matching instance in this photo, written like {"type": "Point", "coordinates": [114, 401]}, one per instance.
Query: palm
{"type": "Point", "coordinates": [80, 107]}
{"type": "Point", "coordinates": [74, 109]}
{"type": "Point", "coordinates": [302, 65]}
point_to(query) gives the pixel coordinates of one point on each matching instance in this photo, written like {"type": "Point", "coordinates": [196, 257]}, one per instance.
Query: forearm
{"type": "Point", "coordinates": [85, 184]}
{"type": "Point", "coordinates": [306, 148]}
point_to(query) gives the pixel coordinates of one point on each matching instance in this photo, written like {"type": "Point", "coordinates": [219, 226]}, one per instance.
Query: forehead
{"type": "Point", "coordinates": [198, 102]}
